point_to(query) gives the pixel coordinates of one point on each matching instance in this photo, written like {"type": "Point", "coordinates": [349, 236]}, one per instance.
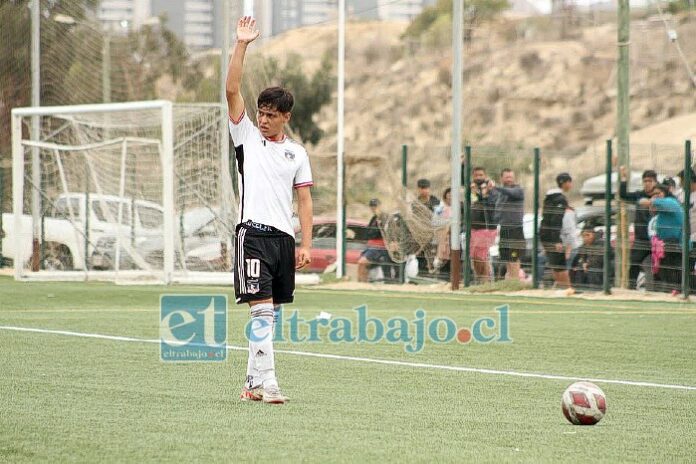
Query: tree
{"type": "Point", "coordinates": [475, 11]}
{"type": "Point", "coordinates": [310, 95]}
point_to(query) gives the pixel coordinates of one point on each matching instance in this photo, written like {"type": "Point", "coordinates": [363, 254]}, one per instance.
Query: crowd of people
{"type": "Point", "coordinates": [573, 258]}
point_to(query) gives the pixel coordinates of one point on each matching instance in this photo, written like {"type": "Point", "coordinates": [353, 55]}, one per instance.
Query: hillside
{"type": "Point", "coordinates": [520, 90]}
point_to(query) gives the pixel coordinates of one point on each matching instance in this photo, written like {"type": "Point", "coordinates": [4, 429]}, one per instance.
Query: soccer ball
{"type": "Point", "coordinates": [584, 403]}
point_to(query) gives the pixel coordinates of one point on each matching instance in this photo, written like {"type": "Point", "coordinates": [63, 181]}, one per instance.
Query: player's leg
{"type": "Point", "coordinates": [253, 285]}
{"type": "Point", "coordinates": [363, 268]}
{"type": "Point", "coordinates": [283, 289]}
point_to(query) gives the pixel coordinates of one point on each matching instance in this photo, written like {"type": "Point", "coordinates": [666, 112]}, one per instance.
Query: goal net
{"type": "Point", "coordinates": [126, 191]}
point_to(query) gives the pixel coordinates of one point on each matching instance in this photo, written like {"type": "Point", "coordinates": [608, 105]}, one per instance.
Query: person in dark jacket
{"type": "Point", "coordinates": [555, 206]}
{"type": "Point", "coordinates": [424, 196]}
{"type": "Point", "coordinates": [587, 269]}
{"type": "Point", "coordinates": [483, 224]}
{"type": "Point", "coordinates": [641, 242]}
{"type": "Point", "coordinates": [509, 211]}
{"type": "Point", "coordinates": [376, 251]}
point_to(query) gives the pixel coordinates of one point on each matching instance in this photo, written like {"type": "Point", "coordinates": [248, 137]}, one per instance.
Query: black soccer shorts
{"type": "Point", "coordinates": [264, 264]}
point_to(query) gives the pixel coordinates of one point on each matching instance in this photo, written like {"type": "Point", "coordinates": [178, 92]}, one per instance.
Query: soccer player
{"type": "Point", "coordinates": [270, 165]}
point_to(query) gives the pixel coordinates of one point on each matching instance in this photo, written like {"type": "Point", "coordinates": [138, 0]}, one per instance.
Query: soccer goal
{"type": "Point", "coordinates": [137, 191]}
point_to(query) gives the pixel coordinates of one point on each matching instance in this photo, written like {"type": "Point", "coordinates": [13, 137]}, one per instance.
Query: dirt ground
{"type": "Point", "coordinates": [616, 295]}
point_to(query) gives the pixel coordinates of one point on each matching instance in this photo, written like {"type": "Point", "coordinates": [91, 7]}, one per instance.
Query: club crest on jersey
{"type": "Point", "coordinates": [290, 156]}
{"type": "Point", "coordinates": [252, 287]}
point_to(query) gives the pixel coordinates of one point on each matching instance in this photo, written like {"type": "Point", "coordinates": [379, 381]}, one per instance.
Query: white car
{"type": "Point", "coordinates": [65, 233]}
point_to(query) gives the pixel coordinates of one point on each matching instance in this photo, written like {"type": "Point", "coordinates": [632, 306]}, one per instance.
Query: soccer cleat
{"type": "Point", "coordinates": [273, 395]}
{"type": "Point", "coordinates": [251, 394]}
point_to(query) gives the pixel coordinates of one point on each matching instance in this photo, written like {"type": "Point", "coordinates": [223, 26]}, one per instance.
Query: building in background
{"type": "Point", "coordinates": [404, 10]}
{"type": "Point", "coordinates": [122, 15]}
{"type": "Point", "coordinates": [198, 23]}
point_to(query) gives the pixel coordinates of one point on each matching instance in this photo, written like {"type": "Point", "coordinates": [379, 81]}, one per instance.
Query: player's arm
{"type": "Point", "coordinates": [246, 33]}
{"type": "Point", "coordinates": [304, 210]}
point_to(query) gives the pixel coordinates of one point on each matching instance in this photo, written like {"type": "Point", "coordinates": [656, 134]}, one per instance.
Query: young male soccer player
{"type": "Point", "coordinates": [270, 165]}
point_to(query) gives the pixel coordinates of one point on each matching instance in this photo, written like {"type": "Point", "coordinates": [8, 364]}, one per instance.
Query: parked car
{"type": "Point", "coordinates": [64, 227]}
{"type": "Point", "coordinates": [324, 242]}
{"type": "Point", "coordinates": [593, 188]}
{"type": "Point", "coordinates": [201, 246]}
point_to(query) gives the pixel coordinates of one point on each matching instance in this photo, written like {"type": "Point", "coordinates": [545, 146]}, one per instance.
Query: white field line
{"type": "Point", "coordinates": [388, 362]}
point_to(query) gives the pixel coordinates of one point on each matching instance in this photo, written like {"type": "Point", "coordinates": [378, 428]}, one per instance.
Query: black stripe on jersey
{"type": "Point", "coordinates": [239, 156]}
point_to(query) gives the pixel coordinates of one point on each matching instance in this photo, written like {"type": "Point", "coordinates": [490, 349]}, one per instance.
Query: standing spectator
{"type": "Point", "coordinates": [424, 196]}
{"type": "Point", "coordinates": [552, 221]}
{"type": "Point", "coordinates": [641, 242]}
{"type": "Point", "coordinates": [587, 269]}
{"type": "Point", "coordinates": [376, 252]}
{"type": "Point", "coordinates": [441, 223]}
{"type": "Point", "coordinates": [510, 213]}
{"type": "Point", "coordinates": [483, 224]}
{"type": "Point", "coordinates": [422, 210]}
{"type": "Point", "coordinates": [666, 243]}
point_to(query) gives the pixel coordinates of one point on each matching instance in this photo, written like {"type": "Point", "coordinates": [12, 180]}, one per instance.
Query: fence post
{"type": "Point", "coordinates": [404, 184]}
{"type": "Point", "coordinates": [607, 222]}
{"type": "Point", "coordinates": [535, 242]}
{"type": "Point", "coordinates": [467, 210]}
{"type": "Point", "coordinates": [686, 230]}
{"type": "Point", "coordinates": [86, 221]}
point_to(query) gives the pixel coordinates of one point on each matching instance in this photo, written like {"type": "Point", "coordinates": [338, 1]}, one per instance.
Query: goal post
{"type": "Point", "coordinates": [129, 191]}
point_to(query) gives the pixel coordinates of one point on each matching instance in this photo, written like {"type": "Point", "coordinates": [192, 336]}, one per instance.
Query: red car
{"type": "Point", "coordinates": [324, 242]}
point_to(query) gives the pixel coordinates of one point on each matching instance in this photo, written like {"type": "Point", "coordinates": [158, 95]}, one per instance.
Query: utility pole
{"type": "Point", "coordinates": [340, 175]}
{"type": "Point", "coordinates": [623, 126]}
{"type": "Point", "coordinates": [457, 50]}
{"type": "Point", "coordinates": [226, 173]}
{"type": "Point", "coordinates": [35, 156]}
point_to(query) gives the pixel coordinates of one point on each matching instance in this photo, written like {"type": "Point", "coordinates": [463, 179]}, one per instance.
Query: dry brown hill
{"type": "Point", "coordinates": [520, 90]}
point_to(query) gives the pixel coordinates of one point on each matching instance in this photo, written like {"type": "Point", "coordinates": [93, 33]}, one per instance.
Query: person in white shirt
{"type": "Point", "coordinates": [270, 166]}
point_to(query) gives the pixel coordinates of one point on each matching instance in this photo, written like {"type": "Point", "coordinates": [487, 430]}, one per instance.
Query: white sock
{"type": "Point", "coordinates": [252, 376]}
{"type": "Point", "coordinates": [261, 347]}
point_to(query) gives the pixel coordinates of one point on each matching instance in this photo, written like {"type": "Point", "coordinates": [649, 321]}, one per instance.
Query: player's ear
{"type": "Point", "coordinates": [286, 117]}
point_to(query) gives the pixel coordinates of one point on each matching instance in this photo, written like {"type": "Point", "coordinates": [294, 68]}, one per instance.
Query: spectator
{"type": "Point", "coordinates": [376, 253]}
{"type": "Point", "coordinates": [569, 235]}
{"type": "Point", "coordinates": [666, 243]}
{"type": "Point", "coordinates": [641, 242]}
{"type": "Point", "coordinates": [587, 269]}
{"type": "Point", "coordinates": [422, 216]}
{"type": "Point", "coordinates": [483, 224]}
{"type": "Point", "coordinates": [441, 222]}
{"type": "Point", "coordinates": [552, 222]}
{"type": "Point", "coordinates": [424, 195]}
{"type": "Point", "coordinates": [510, 214]}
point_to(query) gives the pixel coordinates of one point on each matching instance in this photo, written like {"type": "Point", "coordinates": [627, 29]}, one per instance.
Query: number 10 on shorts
{"type": "Point", "coordinates": [253, 268]}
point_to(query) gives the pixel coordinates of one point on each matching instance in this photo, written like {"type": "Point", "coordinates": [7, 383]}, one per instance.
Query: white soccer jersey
{"type": "Point", "coordinates": [268, 171]}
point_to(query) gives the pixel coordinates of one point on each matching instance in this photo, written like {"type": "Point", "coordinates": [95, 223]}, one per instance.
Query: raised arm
{"type": "Point", "coordinates": [246, 33]}
{"type": "Point", "coordinates": [623, 187]}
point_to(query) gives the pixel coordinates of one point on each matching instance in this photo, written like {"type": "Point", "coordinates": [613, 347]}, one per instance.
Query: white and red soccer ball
{"type": "Point", "coordinates": [584, 403]}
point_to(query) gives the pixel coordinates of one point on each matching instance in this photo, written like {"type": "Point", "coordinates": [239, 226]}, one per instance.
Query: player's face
{"type": "Point", "coordinates": [271, 122]}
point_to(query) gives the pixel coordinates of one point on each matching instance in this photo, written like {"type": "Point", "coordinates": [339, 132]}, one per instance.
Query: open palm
{"type": "Point", "coordinates": [246, 29]}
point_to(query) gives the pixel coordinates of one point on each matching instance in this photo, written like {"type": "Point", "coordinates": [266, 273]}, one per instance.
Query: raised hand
{"type": "Point", "coordinates": [246, 29]}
